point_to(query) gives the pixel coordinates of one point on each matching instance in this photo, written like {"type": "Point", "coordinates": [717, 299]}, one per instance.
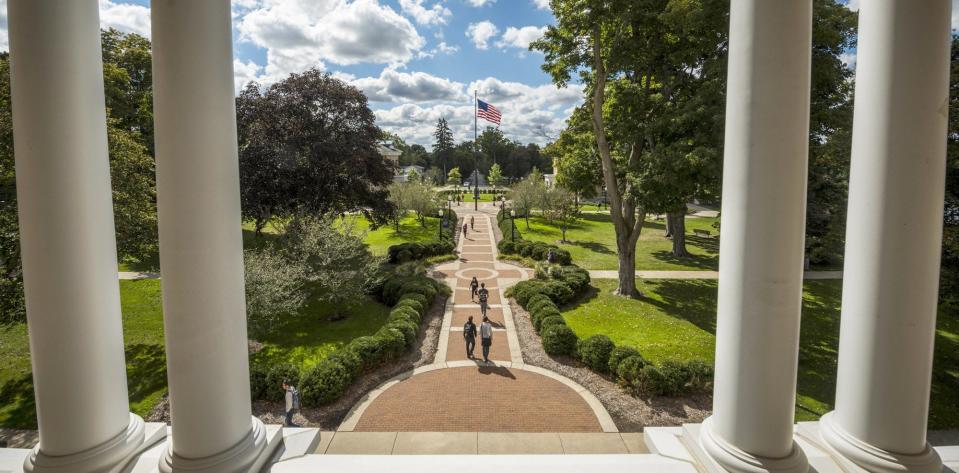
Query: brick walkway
{"type": "Point", "coordinates": [462, 395]}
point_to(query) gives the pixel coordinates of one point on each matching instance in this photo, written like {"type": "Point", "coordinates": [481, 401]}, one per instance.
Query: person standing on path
{"type": "Point", "coordinates": [469, 334]}
{"type": "Point", "coordinates": [486, 336]}
{"type": "Point", "coordinates": [292, 399]}
{"type": "Point", "coordinates": [474, 287]}
{"type": "Point", "coordinates": [472, 223]}
{"type": "Point", "coordinates": [465, 227]}
{"type": "Point", "coordinates": [483, 298]}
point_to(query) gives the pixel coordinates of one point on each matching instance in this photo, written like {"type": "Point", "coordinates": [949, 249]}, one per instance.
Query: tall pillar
{"type": "Point", "coordinates": [893, 237]}
{"type": "Point", "coordinates": [201, 247]}
{"type": "Point", "coordinates": [763, 221]}
{"type": "Point", "coordinates": [67, 239]}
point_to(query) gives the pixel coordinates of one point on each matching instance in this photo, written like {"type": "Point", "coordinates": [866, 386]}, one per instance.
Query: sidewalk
{"type": "Point", "coordinates": [613, 274]}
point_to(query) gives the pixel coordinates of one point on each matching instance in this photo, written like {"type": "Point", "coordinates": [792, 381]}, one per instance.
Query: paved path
{"type": "Point", "coordinates": [612, 274]}
{"type": "Point", "coordinates": [457, 394]}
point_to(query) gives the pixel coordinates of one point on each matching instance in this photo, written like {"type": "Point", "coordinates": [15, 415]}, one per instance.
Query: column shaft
{"type": "Point", "coordinates": [894, 228]}
{"type": "Point", "coordinates": [201, 247]}
{"type": "Point", "coordinates": [763, 221]}
{"type": "Point", "coordinates": [68, 246]}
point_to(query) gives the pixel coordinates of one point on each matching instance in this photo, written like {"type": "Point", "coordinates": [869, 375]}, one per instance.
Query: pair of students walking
{"type": "Point", "coordinates": [486, 337]}
{"type": "Point", "coordinates": [477, 289]}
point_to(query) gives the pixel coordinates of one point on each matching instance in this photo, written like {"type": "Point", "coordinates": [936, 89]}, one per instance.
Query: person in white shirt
{"type": "Point", "coordinates": [486, 334]}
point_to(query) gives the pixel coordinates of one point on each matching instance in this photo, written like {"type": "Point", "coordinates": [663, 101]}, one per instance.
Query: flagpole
{"type": "Point", "coordinates": [475, 161]}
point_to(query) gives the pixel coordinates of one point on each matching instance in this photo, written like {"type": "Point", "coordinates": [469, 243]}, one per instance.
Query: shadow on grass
{"type": "Point", "coordinates": [692, 300]}
{"type": "Point", "coordinates": [593, 246]}
{"type": "Point", "coordinates": [693, 260]}
{"type": "Point", "coordinates": [146, 374]}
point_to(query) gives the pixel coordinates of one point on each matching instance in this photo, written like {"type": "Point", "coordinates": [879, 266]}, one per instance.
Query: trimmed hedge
{"type": "Point", "coordinates": [328, 380]}
{"type": "Point", "coordinates": [410, 251]}
{"type": "Point", "coordinates": [547, 322]}
{"type": "Point", "coordinates": [559, 340]}
{"type": "Point", "coordinates": [617, 356]}
{"type": "Point", "coordinates": [536, 250]}
{"type": "Point", "coordinates": [594, 352]}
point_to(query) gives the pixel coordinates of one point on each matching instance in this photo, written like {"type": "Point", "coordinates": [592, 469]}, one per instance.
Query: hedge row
{"type": "Point", "coordinates": [410, 251]}
{"type": "Point", "coordinates": [558, 284]}
{"type": "Point", "coordinates": [325, 382]}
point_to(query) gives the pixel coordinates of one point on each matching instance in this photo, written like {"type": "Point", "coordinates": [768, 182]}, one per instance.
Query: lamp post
{"type": "Point", "coordinates": [476, 195]}
{"type": "Point", "coordinates": [449, 202]}
{"type": "Point", "coordinates": [439, 226]}
{"type": "Point", "coordinates": [502, 201]}
{"type": "Point", "coordinates": [512, 224]}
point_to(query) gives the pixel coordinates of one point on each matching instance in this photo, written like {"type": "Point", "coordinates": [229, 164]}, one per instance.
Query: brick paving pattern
{"type": "Point", "coordinates": [481, 398]}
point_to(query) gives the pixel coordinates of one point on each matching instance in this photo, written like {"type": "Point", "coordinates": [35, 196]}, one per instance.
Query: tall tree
{"type": "Point", "coordinates": [308, 144]}
{"type": "Point", "coordinates": [128, 83]}
{"type": "Point", "coordinates": [495, 176]}
{"type": "Point", "coordinates": [443, 145]}
{"type": "Point", "coordinates": [577, 165]}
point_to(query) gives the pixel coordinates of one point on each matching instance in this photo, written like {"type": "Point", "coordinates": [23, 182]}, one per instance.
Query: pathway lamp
{"type": "Point", "coordinates": [440, 226]}
{"type": "Point", "coordinates": [512, 224]}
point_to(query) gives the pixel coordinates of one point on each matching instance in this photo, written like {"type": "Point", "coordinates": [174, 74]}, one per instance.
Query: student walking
{"type": "Point", "coordinates": [292, 398]}
{"type": "Point", "coordinates": [483, 299]}
{"type": "Point", "coordinates": [472, 223]}
{"type": "Point", "coordinates": [465, 227]}
{"type": "Point", "coordinates": [474, 287]}
{"type": "Point", "coordinates": [486, 334]}
{"type": "Point", "coordinates": [469, 335]}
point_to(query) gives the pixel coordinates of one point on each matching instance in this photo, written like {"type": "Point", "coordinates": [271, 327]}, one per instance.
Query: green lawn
{"type": "Point", "coordinates": [678, 322]}
{"type": "Point", "coordinates": [410, 230]}
{"type": "Point", "coordinates": [305, 339]}
{"type": "Point", "coordinates": [592, 243]}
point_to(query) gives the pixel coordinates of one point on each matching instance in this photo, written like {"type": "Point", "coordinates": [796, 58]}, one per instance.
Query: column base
{"type": "Point", "coordinates": [733, 459]}
{"type": "Point", "coordinates": [247, 456]}
{"type": "Point", "coordinates": [111, 456]}
{"type": "Point", "coordinates": [872, 458]}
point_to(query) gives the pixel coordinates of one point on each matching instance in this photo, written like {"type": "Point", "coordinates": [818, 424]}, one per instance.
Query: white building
{"type": "Point", "coordinates": [889, 295]}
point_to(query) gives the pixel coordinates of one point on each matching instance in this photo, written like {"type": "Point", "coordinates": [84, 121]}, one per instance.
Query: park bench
{"type": "Point", "coordinates": [701, 233]}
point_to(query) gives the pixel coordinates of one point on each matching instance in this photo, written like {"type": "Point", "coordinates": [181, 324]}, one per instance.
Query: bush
{"type": "Point", "coordinates": [404, 313]}
{"type": "Point", "coordinates": [628, 370]}
{"type": "Point", "coordinates": [563, 256]}
{"type": "Point", "coordinates": [392, 342]}
{"type": "Point", "coordinates": [408, 328]}
{"type": "Point", "coordinates": [559, 340]}
{"type": "Point", "coordinates": [258, 384]}
{"type": "Point", "coordinates": [575, 277]}
{"type": "Point", "coordinates": [544, 312]}
{"type": "Point", "coordinates": [547, 322]}
{"type": "Point", "coordinates": [617, 356]}
{"type": "Point", "coordinates": [650, 381]}
{"type": "Point", "coordinates": [350, 360]}
{"type": "Point", "coordinates": [274, 380]}
{"type": "Point", "coordinates": [537, 300]}
{"type": "Point", "coordinates": [410, 251]}
{"type": "Point", "coordinates": [411, 304]}
{"type": "Point", "coordinates": [418, 298]}
{"type": "Point", "coordinates": [506, 247]}
{"type": "Point", "coordinates": [367, 350]}
{"type": "Point", "coordinates": [539, 250]}
{"type": "Point", "coordinates": [594, 352]}
{"type": "Point", "coordinates": [324, 383]}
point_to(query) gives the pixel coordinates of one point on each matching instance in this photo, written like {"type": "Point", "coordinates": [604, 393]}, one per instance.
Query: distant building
{"type": "Point", "coordinates": [403, 172]}
{"type": "Point", "coordinates": [389, 153]}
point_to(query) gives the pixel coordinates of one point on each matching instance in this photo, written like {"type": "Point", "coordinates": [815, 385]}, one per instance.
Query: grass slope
{"type": "Point", "coordinates": [678, 322]}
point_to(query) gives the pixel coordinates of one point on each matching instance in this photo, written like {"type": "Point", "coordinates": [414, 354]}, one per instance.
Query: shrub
{"type": "Point", "coordinates": [324, 383]}
{"type": "Point", "coordinates": [559, 340]}
{"type": "Point", "coordinates": [403, 313]}
{"type": "Point", "coordinates": [547, 322]}
{"type": "Point", "coordinates": [594, 352]}
{"type": "Point", "coordinates": [274, 380]}
{"type": "Point", "coordinates": [392, 342]}
{"type": "Point", "coordinates": [558, 291]}
{"type": "Point", "coordinates": [628, 370]}
{"type": "Point", "coordinates": [537, 300]}
{"type": "Point", "coordinates": [525, 249]}
{"type": "Point", "coordinates": [700, 376]}
{"type": "Point", "coordinates": [350, 360]}
{"type": "Point", "coordinates": [544, 312]}
{"type": "Point", "coordinates": [367, 350]}
{"type": "Point", "coordinates": [575, 277]}
{"type": "Point", "coordinates": [563, 256]}
{"type": "Point", "coordinates": [258, 384]}
{"type": "Point", "coordinates": [411, 304]}
{"type": "Point", "coordinates": [650, 381]}
{"type": "Point", "coordinates": [542, 270]}
{"type": "Point", "coordinates": [418, 298]}
{"type": "Point", "coordinates": [617, 356]}
{"type": "Point", "coordinates": [506, 247]}
{"type": "Point", "coordinates": [539, 250]}
{"type": "Point", "coordinates": [408, 328]}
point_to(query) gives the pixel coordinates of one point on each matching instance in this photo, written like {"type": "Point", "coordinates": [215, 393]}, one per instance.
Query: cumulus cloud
{"type": "Point", "coordinates": [541, 4]}
{"type": "Point", "coordinates": [396, 86]}
{"type": "Point", "coordinates": [520, 37]}
{"type": "Point", "coordinates": [481, 33]}
{"type": "Point", "coordinates": [435, 15]}
{"type": "Point", "coordinates": [480, 3]}
{"type": "Point", "coordinates": [244, 73]}
{"type": "Point", "coordinates": [298, 34]}
{"type": "Point", "coordinates": [124, 17]}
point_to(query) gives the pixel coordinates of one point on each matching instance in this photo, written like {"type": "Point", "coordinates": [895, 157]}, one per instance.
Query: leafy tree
{"type": "Point", "coordinates": [435, 176]}
{"type": "Point", "coordinates": [308, 144]}
{"type": "Point", "coordinates": [454, 176]}
{"type": "Point", "coordinates": [12, 308]}
{"type": "Point", "coordinates": [128, 83]}
{"type": "Point", "coordinates": [495, 177]}
{"type": "Point", "coordinates": [336, 261]}
{"type": "Point", "coordinates": [578, 167]}
{"type": "Point", "coordinates": [132, 174]}
{"type": "Point", "coordinates": [566, 212]}
{"type": "Point", "coordinates": [527, 194]}
{"type": "Point", "coordinates": [274, 288]}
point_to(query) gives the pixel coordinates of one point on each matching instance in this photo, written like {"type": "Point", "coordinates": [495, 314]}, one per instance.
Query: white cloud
{"type": "Point", "coordinates": [437, 14]}
{"type": "Point", "coordinates": [299, 34]}
{"type": "Point", "coordinates": [125, 17]}
{"type": "Point", "coordinates": [849, 59]}
{"type": "Point", "coordinates": [541, 4]}
{"type": "Point", "coordinates": [395, 86]}
{"type": "Point", "coordinates": [244, 73]}
{"type": "Point", "coordinates": [480, 33]}
{"type": "Point", "coordinates": [520, 37]}
{"type": "Point", "coordinates": [4, 43]}
{"type": "Point", "coordinates": [480, 3]}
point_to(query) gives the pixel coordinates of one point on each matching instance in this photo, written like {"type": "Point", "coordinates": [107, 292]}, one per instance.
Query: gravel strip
{"type": "Point", "coordinates": [629, 413]}
{"type": "Point", "coordinates": [329, 417]}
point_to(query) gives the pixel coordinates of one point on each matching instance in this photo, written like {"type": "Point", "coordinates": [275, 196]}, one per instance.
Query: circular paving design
{"type": "Point", "coordinates": [479, 399]}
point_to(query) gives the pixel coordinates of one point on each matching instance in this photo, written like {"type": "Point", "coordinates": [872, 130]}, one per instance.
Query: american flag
{"type": "Point", "coordinates": [487, 112]}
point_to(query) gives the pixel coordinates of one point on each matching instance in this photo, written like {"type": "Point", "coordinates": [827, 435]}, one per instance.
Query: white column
{"type": "Point", "coordinates": [201, 247]}
{"type": "Point", "coordinates": [893, 237]}
{"type": "Point", "coordinates": [67, 239]}
{"type": "Point", "coordinates": [763, 221]}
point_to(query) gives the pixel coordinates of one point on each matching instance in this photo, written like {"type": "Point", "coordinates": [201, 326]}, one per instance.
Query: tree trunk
{"type": "Point", "coordinates": [677, 225]}
{"type": "Point", "coordinates": [669, 226]}
{"type": "Point", "coordinates": [563, 228]}
{"type": "Point", "coordinates": [627, 269]}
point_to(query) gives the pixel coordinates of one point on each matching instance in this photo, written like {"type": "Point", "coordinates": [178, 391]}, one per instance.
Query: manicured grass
{"type": "Point", "coordinates": [310, 337]}
{"type": "Point", "coordinates": [468, 198]}
{"type": "Point", "coordinates": [410, 230]}
{"type": "Point", "coordinates": [677, 321]}
{"type": "Point", "coordinates": [592, 243]}
{"type": "Point", "coordinates": [305, 339]}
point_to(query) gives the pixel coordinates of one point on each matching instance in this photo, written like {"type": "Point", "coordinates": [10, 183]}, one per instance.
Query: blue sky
{"type": "Point", "coordinates": [416, 60]}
